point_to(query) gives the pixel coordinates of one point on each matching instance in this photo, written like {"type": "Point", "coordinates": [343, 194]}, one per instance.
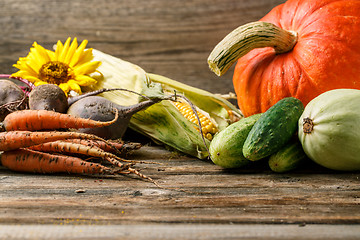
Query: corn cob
{"type": "Point", "coordinates": [164, 122]}
{"type": "Point", "coordinates": [208, 125]}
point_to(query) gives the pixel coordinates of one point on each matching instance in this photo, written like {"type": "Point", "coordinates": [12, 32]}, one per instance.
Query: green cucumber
{"type": "Point", "coordinates": [274, 129]}
{"type": "Point", "coordinates": [288, 158]}
{"type": "Point", "coordinates": [226, 147]}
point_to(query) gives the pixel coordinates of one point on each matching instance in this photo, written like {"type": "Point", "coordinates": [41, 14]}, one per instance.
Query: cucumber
{"type": "Point", "coordinates": [288, 158]}
{"type": "Point", "coordinates": [226, 147]}
{"type": "Point", "coordinates": [274, 129]}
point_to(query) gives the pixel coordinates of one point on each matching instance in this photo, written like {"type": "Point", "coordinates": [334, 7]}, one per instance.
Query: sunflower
{"type": "Point", "coordinates": [68, 66]}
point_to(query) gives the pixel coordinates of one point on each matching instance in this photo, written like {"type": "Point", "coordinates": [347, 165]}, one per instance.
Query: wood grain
{"type": "Point", "coordinates": [170, 38]}
{"type": "Point", "coordinates": [194, 191]}
{"type": "Point", "coordinates": [198, 200]}
{"type": "Point", "coordinates": [182, 231]}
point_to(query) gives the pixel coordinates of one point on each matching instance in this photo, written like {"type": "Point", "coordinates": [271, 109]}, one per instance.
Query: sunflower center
{"type": "Point", "coordinates": [55, 72]}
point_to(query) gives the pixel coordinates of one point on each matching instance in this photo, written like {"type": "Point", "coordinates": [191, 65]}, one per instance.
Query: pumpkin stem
{"type": "Point", "coordinates": [308, 125]}
{"type": "Point", "coordinates": [246, 38]}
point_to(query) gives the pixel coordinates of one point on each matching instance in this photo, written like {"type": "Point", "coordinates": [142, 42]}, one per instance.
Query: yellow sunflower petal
{"type": "Point", "coordinates": [33, 80]}
{"type": "Point", "coordinates": [20, 62]}
{"type": "Point", "coordinates": [34, 63]}
{"type": "Point", "coordinates": [71, 51]}
{"type": "Point", "coordinates": [73, 85]}
{"type": "Point", "coordinates": [51, 55]}
{"type": "Point", "coordinates": [21, 59]}
{"type": "Point", "coordinates": [78, 53]}
{"type": "Point", "coordinates": [64, 51]}
{"type": "Point", "coordinates": [84, 80]}
{"type": "Point", "coordinates": [31, 68]}
{"type": "Point", "coordinates": [41, 53]}
{"type": "Point", "coordinates": [58, 50]}
{"type": "Point", "coordinates": [38, 83]}
{"type": "Point", "coordinates": [22, 73]}
{"type": "Point", "coordinates": [65, 87]}
{"type": "Point", "coordinates": [87, 56]}
{"type": "Point", "coordinates": [25, 67]}
{"type": "Point", "coordinates": [19, 73]}
{"type": "Point", "coordinates": [86, 68]}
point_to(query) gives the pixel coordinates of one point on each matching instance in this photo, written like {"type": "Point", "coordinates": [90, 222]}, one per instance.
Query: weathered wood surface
{"type": "Point", "coordinates": [199, 200]}
{"type": "Point", "coordinates": [181, 231]}
{"type": "Point", "coordinates": [194, 192]}
{"type": "Point", "coordinates": [167, 37]}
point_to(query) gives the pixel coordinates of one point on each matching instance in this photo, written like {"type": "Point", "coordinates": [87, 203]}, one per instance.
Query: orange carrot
{"type": "Point", "coordinates": [110, 145]}
{"type": "Point", "coordinates": [81, 146]}
{"type": "Point", "coordinates": [20, 139]}
{"type": "Point", "coordinates": [33, 120]}
{"type": "Point", "coordinates": [77, 148]}
{"type": "Point", "coordinates": [25, 160]}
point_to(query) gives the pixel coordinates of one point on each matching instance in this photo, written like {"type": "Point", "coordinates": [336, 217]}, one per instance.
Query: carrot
{"type": "Point", "coordinates": [20, 139]}
{"type": "Point", "coordinates": [119, 145]}
{"type": "Point", "coordinates": [81, 146]}
{"type": "Point", "coordinates": [77, 148]}
{"type": "Point", "coordinates": [25, 160]}
{"type": "Point", "coordinates": [33, 120]}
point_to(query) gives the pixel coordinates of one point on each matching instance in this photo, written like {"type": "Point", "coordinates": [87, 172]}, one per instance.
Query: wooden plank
{"type": "Point", "coordinates": [170, 38]}
{"type": "Point", "coordinates": [198, 200]}
{"type": "Point", "coordinates": [181, 231]}
{"type": "Point", "coordinates": [194, 191]}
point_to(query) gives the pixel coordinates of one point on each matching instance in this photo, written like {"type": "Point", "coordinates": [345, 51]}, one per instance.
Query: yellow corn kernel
{"type": "Point", "coordinates": [207, 126]}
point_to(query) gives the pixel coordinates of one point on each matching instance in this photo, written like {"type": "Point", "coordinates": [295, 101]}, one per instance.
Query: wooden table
{"type": "Point", "coordinates": [196, 200]}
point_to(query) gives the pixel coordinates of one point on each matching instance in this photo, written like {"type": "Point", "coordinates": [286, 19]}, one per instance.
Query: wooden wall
{"type": "Point", "coordinates": [168, 37]}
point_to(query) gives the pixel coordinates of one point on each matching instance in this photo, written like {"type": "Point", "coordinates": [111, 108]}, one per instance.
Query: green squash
{"type": "Point", "coordinates": [329, 129]}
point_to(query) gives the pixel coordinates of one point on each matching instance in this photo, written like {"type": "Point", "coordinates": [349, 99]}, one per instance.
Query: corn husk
{"type": "Point", "coordinates": [162, 122]}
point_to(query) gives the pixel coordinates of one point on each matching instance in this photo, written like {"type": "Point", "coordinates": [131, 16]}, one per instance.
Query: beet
{"type": "Point", "coordinates": [101, 109]}
{"type": "Point", "coordinates": [12, 98]}
{"type": "Point", "coordinates": [48, 97]}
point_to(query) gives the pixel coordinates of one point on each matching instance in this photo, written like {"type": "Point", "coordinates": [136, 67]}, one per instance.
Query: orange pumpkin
{"type": "Point", "coordinates": [301, 48]}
